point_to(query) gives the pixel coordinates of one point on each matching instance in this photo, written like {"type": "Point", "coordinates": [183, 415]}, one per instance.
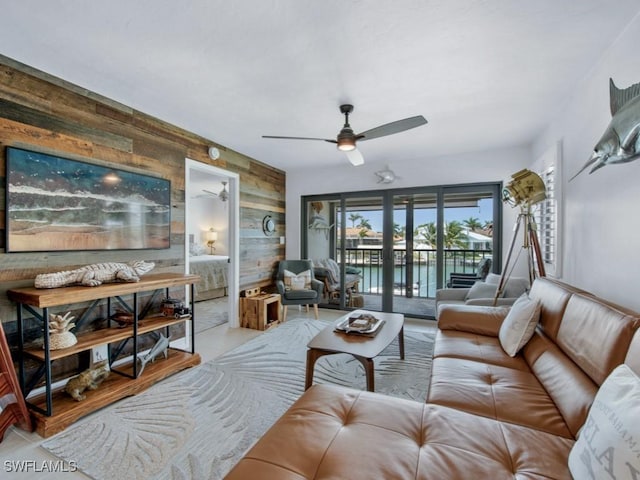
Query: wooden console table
{"type": "Point", "coordinates": [54, 411]}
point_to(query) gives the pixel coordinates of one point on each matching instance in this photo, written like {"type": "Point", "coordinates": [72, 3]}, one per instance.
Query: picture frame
{"type": "Point", "coordinates": [60, 204]}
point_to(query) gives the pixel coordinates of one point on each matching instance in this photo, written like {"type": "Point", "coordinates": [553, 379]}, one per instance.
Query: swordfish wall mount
{"type": "Point", "coordinates": [620, 142]}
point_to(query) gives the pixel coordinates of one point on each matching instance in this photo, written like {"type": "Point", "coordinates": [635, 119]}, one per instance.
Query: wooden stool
{"type": "Point", "coordinates": [261, 311]}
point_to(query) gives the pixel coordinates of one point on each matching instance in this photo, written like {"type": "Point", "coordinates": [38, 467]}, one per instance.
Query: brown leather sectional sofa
{"type": "Point", "coordinates": [487, 415]}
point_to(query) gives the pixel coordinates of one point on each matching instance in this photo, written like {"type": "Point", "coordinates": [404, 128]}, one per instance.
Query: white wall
{"type": "Point", "coordinates": [601, 228]}
{"type": "Point", "coordinates": [488, 166]}
{"type": "Point", "coordinates": [207, 212]}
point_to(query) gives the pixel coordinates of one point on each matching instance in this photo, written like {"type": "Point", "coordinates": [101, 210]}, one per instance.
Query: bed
{"type": "Point", "coordinates": [213, 275]}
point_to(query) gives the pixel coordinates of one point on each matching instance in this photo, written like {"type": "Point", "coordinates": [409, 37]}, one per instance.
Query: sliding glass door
{"type": "Point", "coordinates": [391, 250]}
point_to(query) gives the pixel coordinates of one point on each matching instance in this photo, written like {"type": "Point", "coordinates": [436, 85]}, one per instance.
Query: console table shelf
{"type": "Point", "coordinates": [115, 387]}
{"type": "Point", "coordinates": [87, 341]}
{"type": "Point", "coordinates": [54, 411]}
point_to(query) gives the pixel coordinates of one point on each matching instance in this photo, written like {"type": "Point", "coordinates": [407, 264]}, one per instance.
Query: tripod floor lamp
{"type": "Point", "coordinates": [524, 190]}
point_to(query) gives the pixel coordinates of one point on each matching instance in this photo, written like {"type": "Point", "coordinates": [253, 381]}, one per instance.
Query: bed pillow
{"type": "Point", "coordinates": [607, 443]}
{"type": "Point", "coordinates": [195, 249]}
{"type": "Point", "coordinates": [481, 290]}
{"type": "Point", "coordinates": [519, 324]}
{"type": "Point", "coordinates": [300, 281]}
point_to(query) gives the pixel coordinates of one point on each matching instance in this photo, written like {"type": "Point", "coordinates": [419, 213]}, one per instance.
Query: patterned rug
{"type": "Point", "coordinates": [200, 422]}
{"type": "Point", "coordinates": [211, 313]}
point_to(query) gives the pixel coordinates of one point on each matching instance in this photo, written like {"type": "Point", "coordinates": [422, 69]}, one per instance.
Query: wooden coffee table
{"type": "Point", "coordinates": [362, 347]}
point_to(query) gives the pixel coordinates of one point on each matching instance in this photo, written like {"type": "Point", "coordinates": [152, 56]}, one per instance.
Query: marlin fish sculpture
{"type": "Point", "coordinates": [160, 347]}
{"type": "Point", "coordinates": [620, 142]}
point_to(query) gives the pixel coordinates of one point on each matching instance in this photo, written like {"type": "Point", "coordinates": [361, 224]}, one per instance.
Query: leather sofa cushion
{"type": "Point", "coordinates": [553, 296]}
{"type": "Point", "coordinates": [570, 388]}
{"type": "Point", "coordinates": [477, 319]}
{"type": "Point", "coordinates": [480, 348]}
{"type": "Point", "coordinates": [497, 392]}
{"type": "Point", "coordinates": [605, 346]}
{"type": "Point", "coordinates": [333, 432]}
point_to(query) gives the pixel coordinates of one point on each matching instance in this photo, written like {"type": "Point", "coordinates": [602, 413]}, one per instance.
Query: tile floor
{"type": "Point", "coordinates": [22, 458]}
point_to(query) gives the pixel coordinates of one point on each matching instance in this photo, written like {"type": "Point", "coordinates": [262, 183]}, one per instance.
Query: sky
{"type": "Point", "coordinates": [483, 212]}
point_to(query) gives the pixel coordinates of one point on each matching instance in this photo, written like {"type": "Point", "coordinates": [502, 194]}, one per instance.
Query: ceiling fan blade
{"type": "Point", "coordinates": [355, 157]}
{"type": "Point", "coordinates": [210, 192]}
{"type": "Point", "coordinates": [392, 128]}
{"type": "Point", "coordinates": [299, 138]}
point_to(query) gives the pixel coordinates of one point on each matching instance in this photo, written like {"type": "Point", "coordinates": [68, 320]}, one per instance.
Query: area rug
{"type": "Point", "coordinates": [211, 313]}
{"type": "Point", "coordinates": [200, 422]}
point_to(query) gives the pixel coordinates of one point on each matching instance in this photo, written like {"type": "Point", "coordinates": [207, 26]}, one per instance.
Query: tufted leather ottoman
{"type": "Point", "coordinates": [333, 432]}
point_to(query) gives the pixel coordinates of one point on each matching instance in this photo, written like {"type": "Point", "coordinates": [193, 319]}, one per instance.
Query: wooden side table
{"type": "Point", "coordinates": [260, 312]}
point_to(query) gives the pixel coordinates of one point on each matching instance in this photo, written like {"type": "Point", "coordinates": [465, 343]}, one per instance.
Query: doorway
{"type": "Point", "coordinates": [212, 214]}
{"type": "Point", "coordinates": [401, 245]}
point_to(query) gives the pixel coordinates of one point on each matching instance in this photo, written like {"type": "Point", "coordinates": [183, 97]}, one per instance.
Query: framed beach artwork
{"type": "Point", "coordinates": [59, 204]}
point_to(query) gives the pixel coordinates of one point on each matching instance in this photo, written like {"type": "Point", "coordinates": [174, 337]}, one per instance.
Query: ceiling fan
{"type": "Point", "coordinates": [223, 194]}
{"type": "Point", "coordinates": [346, 139]}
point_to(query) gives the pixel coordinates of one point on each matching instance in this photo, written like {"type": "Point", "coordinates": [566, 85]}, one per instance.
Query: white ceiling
{"type": "Point", "coordinates": [485, 73]}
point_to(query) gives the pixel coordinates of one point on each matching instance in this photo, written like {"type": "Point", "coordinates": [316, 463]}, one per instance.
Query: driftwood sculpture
{"type": "Point", "coordinates": [96, 274]}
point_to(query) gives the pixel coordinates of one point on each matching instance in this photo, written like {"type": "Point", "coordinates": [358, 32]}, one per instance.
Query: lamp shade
{"type": "Point", "coordinates": [212, 235]}
{"type": "Point", "coordinates": [526, 188]}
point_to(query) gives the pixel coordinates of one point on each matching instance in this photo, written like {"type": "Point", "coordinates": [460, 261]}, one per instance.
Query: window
{"type": "Point", "coordinates": [546, 218]}
{"type": "Point", "coordinates": [548, 212]}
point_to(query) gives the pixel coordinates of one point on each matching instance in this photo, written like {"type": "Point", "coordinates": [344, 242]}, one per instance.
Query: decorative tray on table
{"type": "Point", "coordinates": [362, 323]}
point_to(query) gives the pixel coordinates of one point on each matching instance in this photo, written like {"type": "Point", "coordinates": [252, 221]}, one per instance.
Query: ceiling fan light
{"type": "Point", "coordinates": [346, 139]}
{"type": "Point", "coordinates": [346, 145]}
{"type": "Point", "coordinates": [224, 195]}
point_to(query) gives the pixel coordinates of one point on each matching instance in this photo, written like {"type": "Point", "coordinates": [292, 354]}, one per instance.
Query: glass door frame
{"type": "Point", "coordinates": [387, 201]}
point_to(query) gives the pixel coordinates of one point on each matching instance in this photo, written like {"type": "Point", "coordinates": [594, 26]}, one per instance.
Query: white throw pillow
{"type": "Point", "coordinates": [519, 324]}
{"type": "Point", "coordinates": [607, 446]}
{"type": "Point", "coordinates": [300, 281]}
{"type": "Point", "coordinates": [481, 290]}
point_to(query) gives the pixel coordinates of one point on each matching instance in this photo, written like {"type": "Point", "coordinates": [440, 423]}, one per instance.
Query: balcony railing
{"type": "Point", "coordinates": [423, 279]}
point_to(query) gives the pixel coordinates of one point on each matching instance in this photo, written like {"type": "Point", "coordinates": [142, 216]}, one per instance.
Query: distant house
{"type": "Point", "coordinates": [478, 241]}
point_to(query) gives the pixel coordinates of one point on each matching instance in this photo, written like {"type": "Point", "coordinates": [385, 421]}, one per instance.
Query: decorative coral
{"type": "Point", "coordinates": [59, 334]}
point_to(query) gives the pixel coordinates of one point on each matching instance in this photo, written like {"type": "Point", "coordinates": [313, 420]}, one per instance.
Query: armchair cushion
{"type": "Point", "coordinates": [300, 294]}
{"type": "Point", "coordinates": [514, 287]}
{"type": "Point", "coordinates": [481, 290]}
{"type": "Point", "coordinates": [300, 281]}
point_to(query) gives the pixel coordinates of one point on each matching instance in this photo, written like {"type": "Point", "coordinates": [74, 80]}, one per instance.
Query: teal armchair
{"type": "Point", "coordinates": [297, 285]}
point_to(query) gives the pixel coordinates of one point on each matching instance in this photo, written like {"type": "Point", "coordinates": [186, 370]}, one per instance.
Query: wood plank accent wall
{"type": "Point", "coordinates": [44, 113]}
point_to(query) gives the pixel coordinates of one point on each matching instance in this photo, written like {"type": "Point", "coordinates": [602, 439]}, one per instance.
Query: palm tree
{"type": "Point", "coordinates": [472, 224]}
{"type": "Point", "coordinates": [427, 231]}
{"type": "Point", "coordinates": [364, 224]}
{"type": "Point", "coordinates": [453, 235]}
{"type": "Point", "coordinates": [398, 231]}
{"type": "Point", "coordinates": [353, 218]}
{"type": "Point", "coordinates": [364, 227]}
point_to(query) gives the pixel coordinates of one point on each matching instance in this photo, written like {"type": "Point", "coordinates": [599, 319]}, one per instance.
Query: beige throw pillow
{"type": "Point", "coordinates": [300, 281]}
{"type": "Point", "coordinates": [519, 324]}
{"type": "Point", "coordinates": [481, 290]}
{"type": "Point", "coordinates": [607, 446]}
